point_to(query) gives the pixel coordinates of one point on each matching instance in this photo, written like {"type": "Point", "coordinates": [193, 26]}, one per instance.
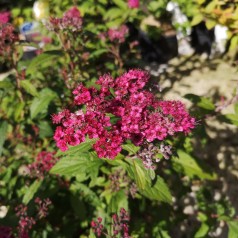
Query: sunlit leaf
{"type": "Point", "coordinates": [30, 192]}
{"type": "Point", "coordinates": [159, 191]}
{"type": "Point", "coordinates": [29, 87]}
{"type": "Point", "coordinates": [42, 59]}
{"type": "Point", "coordinates": [191, 167]}
{"type": "Point", "coordinates": [41, 102]}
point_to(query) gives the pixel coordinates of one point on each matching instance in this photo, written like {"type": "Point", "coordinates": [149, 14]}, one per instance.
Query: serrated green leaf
{"type": "Point", "coordinates": [42, 102]}
{"type": "Point", "coordinates": [202, 231]}
{"type": "Point", "coordinates": [29, 87]}
{"type": "Point", "coordinates": [78, 149]}
{"type": "Point", "coordinates": [3, 134]}
{"type": "Point", "coordinates": [159, 191]}
{"type": "Point", "coordinates": [192, 168]}
{"type": "Point", "coordinates": [40, 60]}
{"type": "Point", "coordinates": [77, 164]}
{"type": "Point", "coordinates": [233, 229]}
{"type": "Point", "coordinates": [30, 192]}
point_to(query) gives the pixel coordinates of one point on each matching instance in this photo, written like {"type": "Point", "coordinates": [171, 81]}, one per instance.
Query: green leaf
{"type": "Point", "coordinates": [113, 13]}
{"type": "Point", "coordinates": [77, 164]}
{"type": "Point", "coordinates": [41, 103]}
{"type": "Point", "coordinates": [232, 118]}
{"type": "Point", "coordinates": [210, 24]}
{"type": "Point", "coordinates": [236, 108]}
{"type": "Point", "coordinates": [29, 87]}
{"type": "Point", "coordinates": [233, 229]}
{"type": "Point", "coordinates": [6, 85]}
{"type": "Point", "coordinates": [45, 129]}
{"type": "Point", "coordinates": [154, 6]}
{"type": "Point", "coordinates": [192, 168]}
{"type": "Point", "coordinates": [30, 192]}
{"type": "Point", "coordinates": [159, 191]}
{"type": "Point", "coordinates": [132, 149]}
{"type": "Point", "coordinates": [202, 231]}
{"type": "Point", "coordinates": [42, 59]}
{"type": "Point", "coordinates": [234, 42]}
{"type": "Point", "coordinates": [89, 195]}
{"type": "Point", "coordinates": [139, 174]}
{"type": "Point", "coordinates": [18, 111]}
{"type": "Point", "coordinates": [78, 149]}
{"type": "Point", "coordinates": [211, 6]}
{"type": "Point", "coordinates": [122, 4]}
{"type": "Point", "coordinates": [197, 19]}
{"type": "Point", "coordinates": [97, 53]}
{"type": "Point", "coordinates": [3, 134]}
{"type": "Point", "coordinates": [118, 200]}
{"type": "Point", "coordinates": [202, 102]}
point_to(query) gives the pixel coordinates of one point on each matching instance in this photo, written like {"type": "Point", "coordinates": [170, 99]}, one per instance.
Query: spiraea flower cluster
{"type": "Point", "coordinates": [26, 222]}
{"type": "Point", "coordinates": [122, 109]}
{"type": "Point", "coordinates": [119, 225]}
{"type": "Point", "coordinates": [118, 34]}
{"type": "Point", "coordinates": [8, 38]}
{"type": "Point", "coordinates": [71, 20]}
{"type": "Point", "coordinates": [44, 162]}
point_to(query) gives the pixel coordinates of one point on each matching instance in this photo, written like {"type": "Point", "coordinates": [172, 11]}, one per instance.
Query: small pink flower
{"type": "Point", "coordinates": [118, 34]}
{"type": "Point", "coordinates": [5, 17]}
{"type": "Point", "coordinates": [133, 3]}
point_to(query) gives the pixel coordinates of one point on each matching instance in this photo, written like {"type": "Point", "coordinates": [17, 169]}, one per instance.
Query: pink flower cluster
{"type": "Point", "coordinates": [121, 109]}
{"type": "Point", "coordinates": [4, 17]}
{"type": "Point", "coordinates": [118, 35]}
{"type": "Point", "coordinates": [133, 3]}
{"type": "Point", "coordinates": [97, 226]}
{"type": "Point", "coordinates": [6, 232]}
{"type": "Point", "coordinates": [43, 163]}
{"type": "Point", "coordinates": [71, 20]}
{"type": "Point", "coordinates": [8, 37]}
{"type": "Point", "coordinates": [119, 225]}
{"type": "Point", "coordinates": [25, 222]}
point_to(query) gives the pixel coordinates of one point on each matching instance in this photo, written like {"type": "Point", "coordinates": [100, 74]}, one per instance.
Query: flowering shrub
{"type": "Point", "coordinates": [122, 149]}
{"type": "Point", "coordinates": [140, 116]}
{"type": "Point", "coordinates": [71, 20]}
